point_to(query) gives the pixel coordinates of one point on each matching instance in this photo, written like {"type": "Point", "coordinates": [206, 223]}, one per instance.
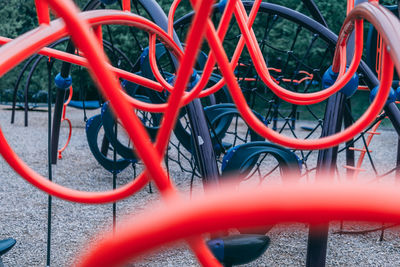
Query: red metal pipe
{"type": "Point", "coordinates": [108, 84]}
{"type": "Point", "coordinates": [273, 136]}
{"type": "Point", "coordinates": [64, 118]}
{"type": "Point", "coordinates": [29, 174]}
{"type": "Point", "coordinates": [289, 96]}
{"type": "Point", "coordinates": [171, 14]}
{"type": "Point", "coordinates": [249, 207]}
{"type": "Point", "coordinates": [42, 11]}
{"type": "Point", "coordinates": [81, 61]}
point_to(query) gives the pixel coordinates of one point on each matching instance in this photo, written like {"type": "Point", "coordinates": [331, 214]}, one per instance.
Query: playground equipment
{"type": "Point", "coordinates": [314, 203]}
{"type": "Point", "coordinates": [5, 246]}
{"type": "Point", "coordinates": [150, 154]}
{"type": "Point", "coordinates": [271, 18]}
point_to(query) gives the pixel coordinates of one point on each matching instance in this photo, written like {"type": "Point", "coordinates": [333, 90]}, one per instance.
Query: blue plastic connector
{"type": "Point", "coordinates": [221, 5]}
{"type": "Point", "coordinates": [391, 97]}
{"type": "Point", "coordinates": [194, 79]}
{"type": "Point", "coordinates": [171, 80]}
{"type": "Point", "coordinates": [63, 83]}
{"type": "Point", "coordinates": [300, 162]}
{"type": "Point", "coordinates": [329, 78]}
{"type": "Point", "coordinates": [228, 156]}
{"type": "Point", "coordinates": [144, 55]}
{"type": "Point", "coordinates": [124, 83]}
{"type": "Point", "coordinates": [217, 248]}
{"type": "Point", "coordinates": [398, 94]}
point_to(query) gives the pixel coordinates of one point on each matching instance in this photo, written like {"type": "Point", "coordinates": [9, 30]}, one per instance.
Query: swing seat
{"type": "Point", "coordinates": [6, 245]}
{"type": "Point", "coordinates": [238, 249]}
{"type": "Point", "coordinates": [89, 104]}
{"type": "Point", "coordinates": [220, 116]}
{"type": "Point", "coordinates": [93, 126]}
{"type": "Point", "coordinates": [242, 158]}
{"type": "Point", "coordinates": [108, 123]}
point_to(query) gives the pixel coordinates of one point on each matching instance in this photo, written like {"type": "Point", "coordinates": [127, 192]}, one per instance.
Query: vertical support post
{"type": "Point", "coordinates": [201, 135]}
{"type": "Point", "coordinates": [50, 171]}
{"type": "Point", "coordinates": [393, 112]}
{"type": "Point", "coordinates": [59, 104]}
{"type": "Point", "coordinates": [275, 114]}
{"type": "Point", "coordinates": [315, 13]}
{"type": "Point", "coordinates": [201, 139]}
{"type": "Point", "coordinates": [104, 146]}
{"type": "Point", "coordinates": [350, 158]}
{"type": "Point", "coordinates": [318, 234]}
{"type": "Point", "coordinates": [398, 162]}
{"type": "Point", "coordinates": [114, 205]}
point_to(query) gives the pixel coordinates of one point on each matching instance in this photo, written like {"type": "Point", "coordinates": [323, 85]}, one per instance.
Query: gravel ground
{"type": "Point", "coordinates": [24, 208]}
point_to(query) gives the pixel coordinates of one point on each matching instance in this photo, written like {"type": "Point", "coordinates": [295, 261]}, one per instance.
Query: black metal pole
{"type": "Point", "coordinates": [350, 157]}
{"type": "Point", "coordinates": [15, 92]}
{"type": "Point", "coordinates": [104, 146]}
{"type": "Point", "coordinates": [21, 74]}
{"type": "Point", "coordinates": [393, 113]}
{"type": "Point", "coordinates": [398, 162]}
{"type": "Point", "coordinates": [50, 63]}
{"type": "Point", "coordinates": [26, 89]}
{"type": "Point", "coordinates": [114, 206]}
{"type": "Point", "coordinates": [318, 234]}
{"type": "Point", "coordinates": [58, 107]}
{"type": "Point", "coordinates": [315, 13]}
{"type": "Point", "coordinates": [275, 114]}
{"type": "Point", "coordinates": [201, 139]}
{"type": "Point", "coordinates": [204, 151]}
{"type": "Point", "coordinates": [60, 97]}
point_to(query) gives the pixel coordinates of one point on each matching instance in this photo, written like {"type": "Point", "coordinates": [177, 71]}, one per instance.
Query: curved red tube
{"type": "Point", "coordinates": [171, 14]}
{"type": "Point", "coordinates": [20, 48]}
{"type": "Point", "coordinates": [68, 138]}
{"type": "Point", "coordinates": [249, 37]}
{"type": "Point", "coordinates": [289, 96]}
{"type": "Point", "coordinates": [56, 30]}
{"type": "Point", "coordinates": [228, 208]}
{"type": "Point", "coordinates": [294, 202]}
{"type": "Point", "coordinates": [273, 136]}
{"type": "Point", "coordinates": [64, 118]}
{"type": "Point", "coordinates": [153, 64]}
{"type": "Point", "coordinates": [107, 83]}
{"type": "Point", "coordinates": [81, 61]}
{"type": "Point", "coordinates": [313, 144]}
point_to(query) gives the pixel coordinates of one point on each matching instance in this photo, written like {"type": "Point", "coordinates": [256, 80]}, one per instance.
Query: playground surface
{"type": "Point", "coordinates": [23, 208]}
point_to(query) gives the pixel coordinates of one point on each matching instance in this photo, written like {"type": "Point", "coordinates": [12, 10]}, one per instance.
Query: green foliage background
{"type": "Point", "coordinates": [18, 17]}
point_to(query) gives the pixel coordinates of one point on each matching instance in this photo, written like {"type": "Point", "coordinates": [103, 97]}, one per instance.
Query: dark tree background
{"type": "Point", "coordinates": [18, 17]}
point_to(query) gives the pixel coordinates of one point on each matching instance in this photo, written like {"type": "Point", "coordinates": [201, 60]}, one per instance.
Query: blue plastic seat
{"type": "Point", "coordinates": [242, 158]}
{"type": "Point", "coordinates": [6, 245]}
{"type": "Point", "coordinates": [238, 249]}
{"type": "Point", "coordinates": [91, 104]}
